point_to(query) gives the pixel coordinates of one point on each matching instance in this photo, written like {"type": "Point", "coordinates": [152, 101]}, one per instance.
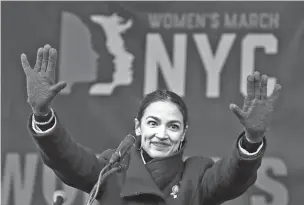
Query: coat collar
{"type": "Point", "coordinates": [152, 177]}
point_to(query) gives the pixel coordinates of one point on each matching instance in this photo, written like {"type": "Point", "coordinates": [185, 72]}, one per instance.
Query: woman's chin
{"type": "Point", "coordinates": [155, 153]}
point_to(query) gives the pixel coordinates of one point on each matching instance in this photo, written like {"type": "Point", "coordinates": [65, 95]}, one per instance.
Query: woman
{"type": "Point", "coordinates": [155, 172]}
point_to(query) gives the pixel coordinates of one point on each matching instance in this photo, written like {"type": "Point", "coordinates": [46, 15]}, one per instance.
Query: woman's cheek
{"type": "Point", "coordinates": [175, 137]}
{"type": "Point", "coordinates": [148, 133]}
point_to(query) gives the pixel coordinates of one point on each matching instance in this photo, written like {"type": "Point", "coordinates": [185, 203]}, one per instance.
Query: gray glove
{"type": "Point", "coordinates": [41, 86]}
{"type": "Point", "coordinates": [258, 108]}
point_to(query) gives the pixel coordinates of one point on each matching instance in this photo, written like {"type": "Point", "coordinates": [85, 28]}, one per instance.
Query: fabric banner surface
{"type": "Point", "coordinates": [112, 54]}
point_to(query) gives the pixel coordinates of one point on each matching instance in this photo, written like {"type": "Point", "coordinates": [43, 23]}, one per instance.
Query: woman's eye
{"type": "Point", "coordinates": [174, 127]}
{"type": "Point", "coordinates": [152, 123]}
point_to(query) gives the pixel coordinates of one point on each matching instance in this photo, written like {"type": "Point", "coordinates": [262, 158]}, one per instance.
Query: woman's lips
{"type": "Point", "coordinates": [160, 144]}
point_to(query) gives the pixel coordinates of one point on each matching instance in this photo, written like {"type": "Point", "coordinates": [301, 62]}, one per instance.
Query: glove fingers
{"type": "Point", "coordinates": [39, 60]}
{"type": "Point", "coordinates": [58, 87]}
{"type": "Point", "coordinates": [237, 111]}
{"type": "Point", "coordinates": [25, 64]}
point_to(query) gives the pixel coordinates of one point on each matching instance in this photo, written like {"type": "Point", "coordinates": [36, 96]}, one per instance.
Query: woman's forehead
{"type": "Point", "coordinates": [163, 109]}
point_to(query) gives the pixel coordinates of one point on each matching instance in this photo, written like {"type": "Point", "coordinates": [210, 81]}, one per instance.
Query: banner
{"type": "Point", "coordinates": [111, 54]}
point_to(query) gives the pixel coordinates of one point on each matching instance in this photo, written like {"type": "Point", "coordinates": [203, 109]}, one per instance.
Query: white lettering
{"type": "Point", "coordinates": [49, 180]}
{"type": "Point", "coordinates": [213, 64]}
{"type": "Point", "coordinates": [189, 21]}
{"type": "Point", "coordinates": [251, 42]}
{"type": "Point", "coordinates": [253, 20]}
{"type": "Point", "coordinates": [157, 58]}
{"type": "Point", "coordinates": [155, 20]}
{"type": "Point", "coordinates": [277, 190]}
{"type": "Point", "coordinates": [22, 188]}
{"type": "Point", "coordinates": [48, 184]}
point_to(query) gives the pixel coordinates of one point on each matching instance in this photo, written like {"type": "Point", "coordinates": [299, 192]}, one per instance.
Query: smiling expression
{"type": "Point", "coordinates": [161, 128]}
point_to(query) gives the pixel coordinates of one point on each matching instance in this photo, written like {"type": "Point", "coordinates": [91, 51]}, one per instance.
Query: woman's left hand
{"type": "Point", "coordinates": [257, 108]}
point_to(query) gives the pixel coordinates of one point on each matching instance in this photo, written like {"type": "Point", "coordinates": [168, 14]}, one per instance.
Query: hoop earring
{"type": "Point", "coordinates": [139, 146]}
{"type": "Point", "coordinates": [180, 145]}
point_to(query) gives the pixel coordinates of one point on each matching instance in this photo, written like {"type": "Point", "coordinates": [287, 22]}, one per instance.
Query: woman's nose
{"type": "Point", "coordinates": [161, 132]}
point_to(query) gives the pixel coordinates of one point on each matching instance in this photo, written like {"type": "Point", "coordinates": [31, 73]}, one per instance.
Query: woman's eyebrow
{"type": "Point", "coordinates": [157, 119]}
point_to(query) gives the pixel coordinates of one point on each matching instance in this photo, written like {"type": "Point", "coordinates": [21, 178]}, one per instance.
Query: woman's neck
{"type": "Point", "coordinates": [145, 156]}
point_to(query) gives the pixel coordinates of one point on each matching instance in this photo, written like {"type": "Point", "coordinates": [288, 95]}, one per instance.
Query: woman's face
{"type": "Point", "coordinates": [161, 129]}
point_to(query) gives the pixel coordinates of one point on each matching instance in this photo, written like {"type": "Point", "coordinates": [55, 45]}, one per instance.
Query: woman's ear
{"type": "Point", "coordinates": [184, 134]}
{"type": "Point", "coordinates": [137, 126]}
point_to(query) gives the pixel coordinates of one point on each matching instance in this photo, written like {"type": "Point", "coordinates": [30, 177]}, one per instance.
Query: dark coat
{"type": "Point", "coordinates": [200, 180]}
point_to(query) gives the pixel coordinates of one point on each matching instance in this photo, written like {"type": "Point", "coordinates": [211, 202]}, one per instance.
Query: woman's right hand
{"type": "Point", "coordinates": [41, 86]}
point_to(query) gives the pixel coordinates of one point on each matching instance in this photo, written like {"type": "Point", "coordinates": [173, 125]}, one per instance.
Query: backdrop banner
{"type": "Point", "coordinates": [112, 54]}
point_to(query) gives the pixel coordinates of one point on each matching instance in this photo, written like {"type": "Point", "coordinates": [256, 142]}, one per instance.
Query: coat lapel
{"type": "Point", "coordinates": [138, 180]}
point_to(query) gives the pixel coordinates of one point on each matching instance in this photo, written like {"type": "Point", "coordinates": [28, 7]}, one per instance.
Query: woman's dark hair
{"type": "Point", "coordinates": [163, 95]}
